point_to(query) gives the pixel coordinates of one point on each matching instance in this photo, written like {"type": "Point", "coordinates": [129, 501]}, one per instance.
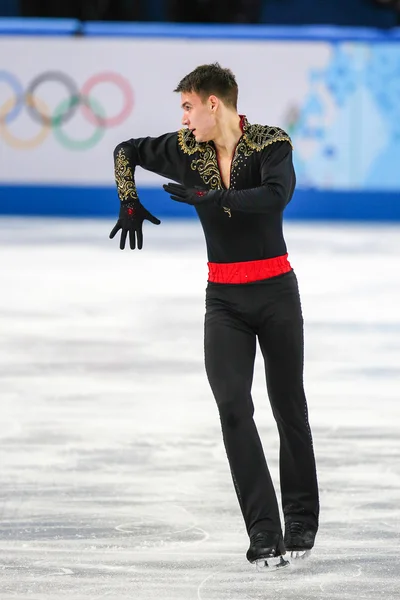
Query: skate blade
{"type": "Point", "coordinates": [274, 563]}
{"type": "Point", "coordinates": [296, 555]}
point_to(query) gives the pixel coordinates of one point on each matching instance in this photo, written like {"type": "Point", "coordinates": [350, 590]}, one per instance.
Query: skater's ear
{"type": "Point", "coordinates": [213, 103]}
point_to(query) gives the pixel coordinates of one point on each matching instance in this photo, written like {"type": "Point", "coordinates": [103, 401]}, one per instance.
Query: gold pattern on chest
{"type": "Point", "coordinates": [187, 142]}
{"type": "Point", "coordinates": [206, 164]}
{"type": "Point", "coordinates": [254, 139]}
{"type": "Point", "coordinates": [242, 153]}
{"type": "Point", "coordinates": [207, 167]}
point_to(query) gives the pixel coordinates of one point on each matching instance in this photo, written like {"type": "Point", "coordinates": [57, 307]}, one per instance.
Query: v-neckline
{"type": "Point", "coordinates": [243, 121]}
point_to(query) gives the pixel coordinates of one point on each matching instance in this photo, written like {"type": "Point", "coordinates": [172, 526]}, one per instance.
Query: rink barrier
{"type": "Point", "coordinates": [325, 33]}
{"type": "Point", "coordinates": [45, 27]}
{"type": "Point", "coordinates": [75, 201]}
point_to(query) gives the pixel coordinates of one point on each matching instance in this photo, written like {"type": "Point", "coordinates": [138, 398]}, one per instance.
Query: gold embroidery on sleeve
{"type": "Point", "coordinates": [124, 178]}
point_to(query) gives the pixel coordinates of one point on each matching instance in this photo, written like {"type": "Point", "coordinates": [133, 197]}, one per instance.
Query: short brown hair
{"type": "Point", "coordinates": [206, 80]}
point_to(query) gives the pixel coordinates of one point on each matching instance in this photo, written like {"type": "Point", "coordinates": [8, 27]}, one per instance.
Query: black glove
{"type": "Point", "coordinates": [193, 196]}
{"type": "Point", "coordinates": [131, 217]}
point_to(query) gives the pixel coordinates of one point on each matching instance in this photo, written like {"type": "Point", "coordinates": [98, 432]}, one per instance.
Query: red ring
{"type": "Point", "coordinates": [120, 82]}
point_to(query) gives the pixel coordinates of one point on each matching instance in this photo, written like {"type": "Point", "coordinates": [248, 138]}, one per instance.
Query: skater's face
{"type": "Point", "coordinates": [199, 115]}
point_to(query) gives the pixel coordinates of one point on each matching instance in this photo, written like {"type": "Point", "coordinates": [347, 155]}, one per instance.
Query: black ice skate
{"type": "Point", "coordinates": [299, 538]}
{"type": "Point", "coordinates": [266, 550]}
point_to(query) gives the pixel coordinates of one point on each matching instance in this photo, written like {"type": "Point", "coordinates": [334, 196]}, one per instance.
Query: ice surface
{"type": "Point", "coordinates": [114, 480]}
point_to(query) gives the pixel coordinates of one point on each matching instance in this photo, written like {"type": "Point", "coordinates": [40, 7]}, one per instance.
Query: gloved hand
{"type": "Point", "coordinates": [131, 217]}
{"type": "Point", "coordinates": [192, 196]}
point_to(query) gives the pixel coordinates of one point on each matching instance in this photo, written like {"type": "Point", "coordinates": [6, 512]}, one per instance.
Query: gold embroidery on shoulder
{"type": "Point", "coordinates": [187, 142]}
{"type": "Point", "coordinates": [124, 178]}
{"type": "Point", "coordinates": [258, 137]}
{"type": "Point", "coordinates": [207, 166]}
{"type": "Point", "coordinates": [254, 139]}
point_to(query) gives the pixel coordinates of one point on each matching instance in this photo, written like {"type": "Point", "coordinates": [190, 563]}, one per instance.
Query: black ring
{"type": "Point", "coordinates": [74, 100]}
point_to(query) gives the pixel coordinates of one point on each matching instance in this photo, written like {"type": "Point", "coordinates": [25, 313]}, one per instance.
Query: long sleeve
{"type": "Point", "coordinates": [278, 181]}
{"type": "Point", "coordinates": [159, 155]}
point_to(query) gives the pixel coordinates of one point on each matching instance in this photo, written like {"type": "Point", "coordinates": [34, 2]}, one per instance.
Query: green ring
{"type": "Point", "coordinates": [78, 144]}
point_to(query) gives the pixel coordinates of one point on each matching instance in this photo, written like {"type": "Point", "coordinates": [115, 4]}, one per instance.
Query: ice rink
{"type": "Point", "coordinates": [114, 479]}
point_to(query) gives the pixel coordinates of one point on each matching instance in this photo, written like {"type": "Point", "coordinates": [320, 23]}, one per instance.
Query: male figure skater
{"type": "Point", "coordinates": [240, 177]}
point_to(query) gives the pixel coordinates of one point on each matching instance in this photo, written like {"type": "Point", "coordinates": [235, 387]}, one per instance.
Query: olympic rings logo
{"type": "Point", "coordinates": [77, 99]}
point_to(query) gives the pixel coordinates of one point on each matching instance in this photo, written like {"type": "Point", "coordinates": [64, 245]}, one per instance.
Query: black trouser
{"type": "Point", "coordinates": [236, 315]}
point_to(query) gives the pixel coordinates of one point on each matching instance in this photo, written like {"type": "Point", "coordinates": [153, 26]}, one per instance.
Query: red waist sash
{"type": "Point", "coordinates": [248, 271]}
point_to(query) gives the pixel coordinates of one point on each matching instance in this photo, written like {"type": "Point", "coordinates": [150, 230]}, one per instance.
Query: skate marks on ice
{"type": "Point", "coordinates": [95, 567]}
{"type": "Point", "coordinates": [177, 530]}
{"type": "Point", "coordinates": [322, 577]}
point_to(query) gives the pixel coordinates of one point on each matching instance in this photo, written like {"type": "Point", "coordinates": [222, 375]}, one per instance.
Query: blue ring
{"type": "Point", "coordinates": [19, 92]}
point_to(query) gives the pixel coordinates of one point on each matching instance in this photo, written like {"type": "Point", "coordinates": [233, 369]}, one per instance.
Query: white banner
{"type": "Point", "coordinates": [65, 103]}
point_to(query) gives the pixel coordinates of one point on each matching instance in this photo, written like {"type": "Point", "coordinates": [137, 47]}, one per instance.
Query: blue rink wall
{"type": "Point", "coordinates": [70, 201]}
{"type": "Point", "coordinates": [340, 103]}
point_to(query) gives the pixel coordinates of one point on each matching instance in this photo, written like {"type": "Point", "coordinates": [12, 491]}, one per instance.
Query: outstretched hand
{"type": "Point", "coordinates": [131, 217]}
{"type": "Point", "coordinates": [192, 196]}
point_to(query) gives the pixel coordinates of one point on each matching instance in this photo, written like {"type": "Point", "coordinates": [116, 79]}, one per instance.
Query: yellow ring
{"type": "Point", "coordinates": [11, 139]}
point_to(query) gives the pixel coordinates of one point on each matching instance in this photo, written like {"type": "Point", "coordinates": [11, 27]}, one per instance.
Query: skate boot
{"type": "Point", "coordinates": [266, 550]}
{"type": "Point", "coordinates": [299, 538]}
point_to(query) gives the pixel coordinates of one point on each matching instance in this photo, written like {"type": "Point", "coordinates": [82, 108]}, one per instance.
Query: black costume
{"type": "Point", "coordinates": [252, 293]}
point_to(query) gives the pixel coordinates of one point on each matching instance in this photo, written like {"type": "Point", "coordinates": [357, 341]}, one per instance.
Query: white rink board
{"type": "Point", "coordinates": [273, 78]}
